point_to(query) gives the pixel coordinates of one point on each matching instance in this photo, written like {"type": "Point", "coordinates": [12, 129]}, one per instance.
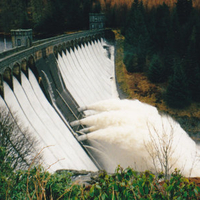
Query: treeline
{"type": "Point", "coordinates": [164, 43]}
{"type": "Point", "coordinates": [37, 183]}
{"type": "Point", "coordinates": [162, 40]}
{"type": "Point", "coordinates": [46, 16]}
{"type": "Point", "coordinates": [52, 17]}
{"type": "Point", "coordinates": [57, 16]}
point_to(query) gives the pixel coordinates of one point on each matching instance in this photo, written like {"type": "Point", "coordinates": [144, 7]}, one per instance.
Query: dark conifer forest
{"type": "Point", "coordinates": [164, 43]}
{"type": "Point", "coordinates": [162, 38]}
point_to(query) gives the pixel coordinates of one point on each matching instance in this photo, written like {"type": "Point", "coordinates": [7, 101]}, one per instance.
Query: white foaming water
{"type": "Point", "coordinates": [134, 134]}
{"type": "Point", "coordinates": [88, 73]}
{"type": "Point", "coordinates": [36, 113]}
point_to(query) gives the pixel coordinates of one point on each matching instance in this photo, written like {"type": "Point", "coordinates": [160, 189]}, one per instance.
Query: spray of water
{"type": "Point", "coordinates": [135, 134]}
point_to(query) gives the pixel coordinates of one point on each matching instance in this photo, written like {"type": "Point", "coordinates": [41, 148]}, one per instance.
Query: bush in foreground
{"type": "Point", "coordinates": [38, 184]}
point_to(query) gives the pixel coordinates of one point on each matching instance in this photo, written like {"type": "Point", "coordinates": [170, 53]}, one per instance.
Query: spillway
{"type": "Point", "coordinates": [87, 73]}
{"type": "Point", "coordinates": [77, 95]}
{"type": "Point", "coordinates": [82, 77]}
{"type": "Point", "coordinates": [133, 134]}
{"type": "Point", "coordinates": [35, 112]}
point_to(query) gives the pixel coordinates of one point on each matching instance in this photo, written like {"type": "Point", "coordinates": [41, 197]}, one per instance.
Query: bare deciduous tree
{"type": "Point", "coordinates": [18, 142]}
{"type": "Point", "coordinates": [162, 148]}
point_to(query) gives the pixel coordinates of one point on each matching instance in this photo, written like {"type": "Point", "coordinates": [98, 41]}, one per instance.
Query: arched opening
{"type": "Point", "coordinates": [64, 47]}
{"type": "Point", "coordinates": [7, 77]}
{"type": "Point", "coordinates": [24, 67]}
{"type": "Point", "coordinates": [17, 72]}
{"type": "Point", "coordinates": [55, 51]}
{"type": "Point", "coordinates": [98, 36]}
{"type": "Point", "coordinates": [93, 38]}
{"type": "Point", "coordinates": [60, 49]}
{"type": "Point", "coordinates": [76, 44]}
{"type": "Point", "coordinates": [68, 46]}
{"type": "Point", "coordinates": [72, 44]}
{"type": "Point", "coordinates": [84, 41]}
{"type": "Point", "coordinates": [1, 86]}
{"type": "Point", "coordinates": [79, 42]}
{"type": "Point", "coordinates": [31, 65]}
{"type": "Point", "coordinates": [89, 40]}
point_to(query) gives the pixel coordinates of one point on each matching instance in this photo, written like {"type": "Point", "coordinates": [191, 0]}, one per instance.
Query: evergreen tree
{"type": "Point", "coordinates": [168, 62]}
{"type": "Point", "coordinates": [6, 172]}
{"type": "Point", "coordinates": [184, 8]}
{"type": "Point", "coordinates": [121, 15]}
{"type": "Point", "coordinates": [192, 51]}
{"type": "Point", "coordinates": [177, 94]}
{"type": "Point", "coordinates": [194, 83]}
{"type": "Point", "coordinates": [131, 61]}
{"type": "Point", "coordinates": [53, 20]}
{"type": "Point", "coordinates": [156, 71]}
{"type": "Point", "coordinates": [162, 27]}
{"type": "Point", "coordinates": [151, 27]}
{"type": "Point", "coordinates": [6, 16]}
{"type": "Point", "coordinates": [136, 39]}
{"type": "Point", "coordinates": [175, 34]}
{"type": "Point", "coordinates": [73, 15]}
{"type": "Point", "coordinates": [37, 11]}
{"type": "Point", "coordinates": [96, 7]}
{"type": "Point", "coordinates": [192, 67]}
{"type": "Point", "coordinates": [13, 15]}
{"type": "Point", "coordinates": [87, 8]}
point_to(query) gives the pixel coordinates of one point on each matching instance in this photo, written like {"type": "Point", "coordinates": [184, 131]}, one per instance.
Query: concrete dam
{"type": "Point", "coordinates": [45, 84]}
{"type": "Point", "coordinates": [63, 90]}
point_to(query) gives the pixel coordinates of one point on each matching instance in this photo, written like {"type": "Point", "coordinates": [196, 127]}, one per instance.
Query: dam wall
{"type": "Point", "coordinates": [47, 83]}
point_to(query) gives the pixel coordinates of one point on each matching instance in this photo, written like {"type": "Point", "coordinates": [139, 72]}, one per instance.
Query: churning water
{"type": "Point", "coordinates": [131, 133]}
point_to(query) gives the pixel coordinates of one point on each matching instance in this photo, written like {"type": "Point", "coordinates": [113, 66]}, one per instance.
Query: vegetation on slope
{"type": "Point", "coordinates": [36, 183]}
{"type": "Point", "coordinates": [137, 86]}
{"type": "Point", "coordinates": [160, 63]}
{"type": "Point", "coordinates": [56, 16]}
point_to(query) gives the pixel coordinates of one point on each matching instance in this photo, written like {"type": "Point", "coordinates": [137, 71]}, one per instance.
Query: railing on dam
{"type": "Point", "coordinates": [7, 58]}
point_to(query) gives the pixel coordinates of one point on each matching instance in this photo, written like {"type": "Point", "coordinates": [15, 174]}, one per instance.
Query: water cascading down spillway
{"type": "Point", "coordinates": [116, 132]}
{"type": "Point", "coordinates": [131, 133]}
{"type": "Point", "coordinates": [28, 102]}
{"type": "Point", "coordinates": [84, 74]}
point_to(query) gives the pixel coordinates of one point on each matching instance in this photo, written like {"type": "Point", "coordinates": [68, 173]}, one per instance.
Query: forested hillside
{"type": "Point", "coordinates": [49, 17]}
{"type": "Point", "coordinates": [164, 44]}
{"type": "Point", "coordinates": [161, 56]}
{"type": "Point", "coordinates": [56, 16]}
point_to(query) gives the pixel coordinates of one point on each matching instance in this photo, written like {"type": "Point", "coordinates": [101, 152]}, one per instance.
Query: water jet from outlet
{"type": "Point", "coordinates": [135, 134]}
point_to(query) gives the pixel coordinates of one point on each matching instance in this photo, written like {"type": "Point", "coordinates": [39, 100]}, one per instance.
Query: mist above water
{"type": "Point", "coordinates": [131, 133]}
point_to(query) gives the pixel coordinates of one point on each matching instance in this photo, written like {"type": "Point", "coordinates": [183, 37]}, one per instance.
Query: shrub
{"type": "Point", "coordinates": [123, 184]}
{"type": "Point", "coordinates": [156, 72]}
{"type": "Point", "coordinates": [131, 62]}
{"type": "Point", "coordinates": [178, 94]}
{"type": "Point", "coordinates": [6, 172]}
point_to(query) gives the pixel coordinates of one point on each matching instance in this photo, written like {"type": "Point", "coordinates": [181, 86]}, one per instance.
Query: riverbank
{"type": "Point", "coordinates": [137, 86]}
